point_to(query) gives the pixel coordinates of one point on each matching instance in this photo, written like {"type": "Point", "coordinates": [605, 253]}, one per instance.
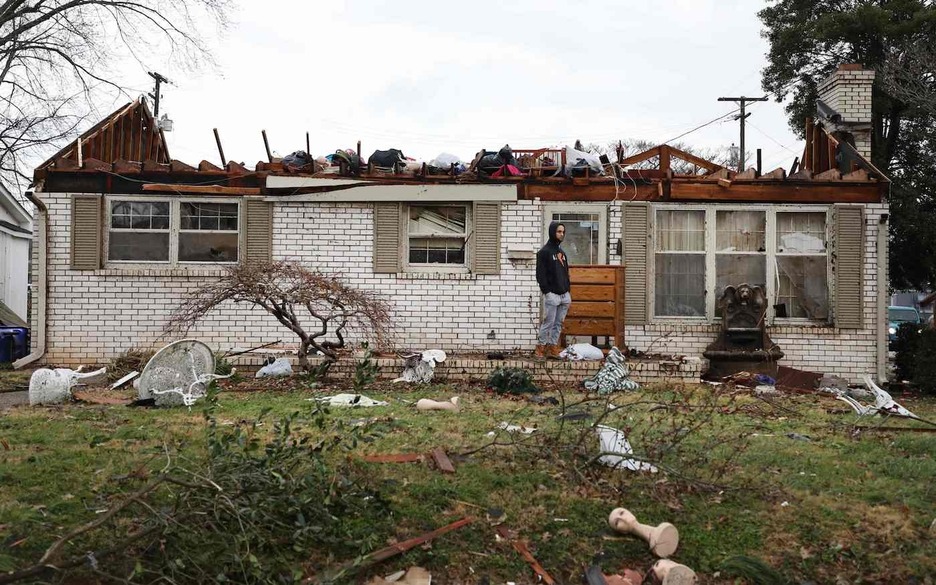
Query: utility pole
{"type": "Point", "coordinates": [741, 116]}
{"type": "Point", "coordinates": [155, 95]}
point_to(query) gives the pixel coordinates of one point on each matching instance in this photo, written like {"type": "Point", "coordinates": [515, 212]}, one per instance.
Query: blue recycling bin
{"type": "Point", "coordinates": [14, 343]}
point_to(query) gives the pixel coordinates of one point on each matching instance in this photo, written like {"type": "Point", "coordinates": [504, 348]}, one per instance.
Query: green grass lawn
{"type": "Point", "coordinates": [842, 507]}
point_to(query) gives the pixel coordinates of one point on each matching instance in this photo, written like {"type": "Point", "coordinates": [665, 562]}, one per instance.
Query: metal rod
{"type": "Point", "coordinates": [220, 150]}
{"type": "Point", "coordinates": [266, 145]}
{"type": "Point", "coordinates": [308, 148]}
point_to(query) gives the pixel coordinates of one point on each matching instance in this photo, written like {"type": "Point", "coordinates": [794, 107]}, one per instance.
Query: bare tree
{"type": "Point", "coordinates": [54, 54]}
{"type": "Point", "coordinates": [910, 76]}
{"type": "Point", "coordinates": [319, 308]}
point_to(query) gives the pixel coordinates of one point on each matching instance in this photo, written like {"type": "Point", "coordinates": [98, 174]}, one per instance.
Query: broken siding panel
{"type": "Point", "coordinates": [848, 257]}
{"type": "Point", "coordinates": [86, 232]}
{"type": "Point", "coordinates": [258, 223]}
{"type": "Point", "coordinates": [485, 254]}
{"type": "Point", "coordinates": [636, 228]}
{"type": "Point", "coordinates": [387, 233]}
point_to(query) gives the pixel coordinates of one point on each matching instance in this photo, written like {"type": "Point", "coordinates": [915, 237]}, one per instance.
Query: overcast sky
{"type": "Point", "coordinates": [427, 78]}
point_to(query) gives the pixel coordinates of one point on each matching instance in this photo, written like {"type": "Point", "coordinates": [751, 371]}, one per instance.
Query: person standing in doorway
{"type": "Point", "coordinates": [552, 275]}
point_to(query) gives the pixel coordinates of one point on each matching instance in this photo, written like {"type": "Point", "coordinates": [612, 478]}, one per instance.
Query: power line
{"type": "Point", "coordinates": [742, 158]}
{"type": "Point", "coordinates": [699, 127]}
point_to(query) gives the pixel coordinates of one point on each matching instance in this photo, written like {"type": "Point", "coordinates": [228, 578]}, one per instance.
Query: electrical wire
{"type": "Point", "coordinates": [700, 126]}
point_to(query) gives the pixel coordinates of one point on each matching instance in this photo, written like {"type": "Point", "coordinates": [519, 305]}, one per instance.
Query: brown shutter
{"type": "Point", "coordinates": [86, 230]}
{"type": "Point", "coordinates": [485, 243]}
{"type": "Point", "coordinates": [258, 222]}
{"type": "Point", "coordinates": [387, 238]}
{"type": "Point", "coordinates": [847, 262]}
{"type": "Point", "coordinates": [636, 236]}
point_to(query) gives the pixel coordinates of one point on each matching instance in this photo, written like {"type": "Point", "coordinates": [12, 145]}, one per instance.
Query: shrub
{"type": "Point", "coordinates": [512, 381]}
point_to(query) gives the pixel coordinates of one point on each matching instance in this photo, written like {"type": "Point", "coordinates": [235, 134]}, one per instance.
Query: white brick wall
{"type": "Point", "coordinates": [848, 92]}
{"type": "Point", "coordinates": [96, 315]}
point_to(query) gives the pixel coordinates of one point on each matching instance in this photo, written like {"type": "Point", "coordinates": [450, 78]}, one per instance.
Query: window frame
{"type": "Point", "coordinates": [770, 243]}
{"type": "Point", "coordinates": [430, 268]}
{"type": "Point", "coordinates": [175, 221]}
{"type": "Point", "coordinates": [600, 209]}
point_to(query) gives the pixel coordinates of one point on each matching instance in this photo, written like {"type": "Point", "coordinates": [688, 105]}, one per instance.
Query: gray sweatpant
{"type": "Point", "coordinates": [554, 313]}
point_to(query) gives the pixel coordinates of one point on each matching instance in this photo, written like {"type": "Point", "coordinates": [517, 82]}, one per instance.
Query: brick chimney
{"type": "Point", "coordinates": [848, 92]}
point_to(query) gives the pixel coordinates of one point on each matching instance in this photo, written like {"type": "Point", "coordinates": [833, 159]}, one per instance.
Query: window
{"type": "Point", "coordinates": [208, 232]}
{"type": "Point", "coordinates": [139, 231]}
{"type": "Point", "coordinates": [698, 252]}
{"type": "Point", "coordinates": [740, 250]}
{"type": "Point", "coordinates": [802, 269]}
{"type": "Point", "coordinates": [437, 236]}
{"type": "Point", "coordinates": [585, 239]}
{"type": "Point", "coordinates": [172, 231]}
{"type": "Point", "coordinates": [680, 264]}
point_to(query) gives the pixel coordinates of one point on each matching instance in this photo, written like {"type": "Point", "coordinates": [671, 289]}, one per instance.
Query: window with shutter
{"type": "Point", "coordinates": [386, 247]}
{"type": "Point", "coordinates": [86, 232]}
{"type": "Point", "coordinates": [485, 254]}
{"type": "Point", "coordinates": [635, 237]}
{"type": "Point", "coordinates": [259, 225]}
{"type": "Point", "coordinates": [848, 257]}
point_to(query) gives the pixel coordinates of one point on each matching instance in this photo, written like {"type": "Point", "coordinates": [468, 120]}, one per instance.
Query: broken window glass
{"type": "Point", "coordinates": [680, 264]}
{"type": "Point", "coordinates": [802, 266]}
{"type": "Point", "coordinates": [437, 234]}
{"type": "Point", "coordinates": [740, 231]}
{"type": "Point", "coordinates": [803, 287]}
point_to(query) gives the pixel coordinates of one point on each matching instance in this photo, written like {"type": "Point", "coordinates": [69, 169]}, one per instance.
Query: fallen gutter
{"type": "Point", "coordinates": [881, 317]}
{"type": "Point", "coordinates": [42, 236]}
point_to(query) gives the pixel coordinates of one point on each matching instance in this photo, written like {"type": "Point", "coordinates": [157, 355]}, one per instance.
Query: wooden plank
{"type": "Point", "coordinates": [201, 189]}
{"type": "Point", "coordinates": [803, 192]}
{"type": "Point", "coordinates": [524, 552]}
{"type": "Point", "coordinates": [807, 149]}
{"type": "Point", "coordinates": [442, 460]}
{"type": "Point", "coordinates": [588, 326]}
{"type": "Point", "coordinates": [641, 156]}
{"type": "Point", "coordinates": [599, 309]}
{"type": "Point", "coordinates": [592, 292]}
{"type": "Point", "coordinates": [591, 274]}
{"type": "Point", "coordinates": [592, 192]}
{"type": "Point", "coordinates": [664, 157]}
{"type": "Point", "coordinates": [691, 158]}
{"type": "Point", "coordinates": [619, 304]}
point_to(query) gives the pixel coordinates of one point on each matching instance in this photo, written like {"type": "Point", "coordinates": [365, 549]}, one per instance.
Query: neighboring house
{"type": "Point", "coordinates": [15, 237]}
{"type": "Point", "coordinates": [120, 244]}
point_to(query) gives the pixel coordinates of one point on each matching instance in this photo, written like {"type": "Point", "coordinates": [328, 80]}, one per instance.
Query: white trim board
{"type": "Point", "coordinates": [411, 193]}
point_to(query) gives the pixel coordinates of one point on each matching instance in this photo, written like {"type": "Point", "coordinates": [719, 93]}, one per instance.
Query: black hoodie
{"type": "Point", "coordinates": [552, 265]}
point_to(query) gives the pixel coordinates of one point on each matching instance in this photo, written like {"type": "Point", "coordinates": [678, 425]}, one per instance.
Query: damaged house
{"type": "Point", "coordinates": [124, 232]}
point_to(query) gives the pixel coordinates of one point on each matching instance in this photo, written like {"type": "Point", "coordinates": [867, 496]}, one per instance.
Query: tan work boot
{"type": "Point", "coordinates": [540, 351]}
{"type": "Point", "coordinates": [554, 351]}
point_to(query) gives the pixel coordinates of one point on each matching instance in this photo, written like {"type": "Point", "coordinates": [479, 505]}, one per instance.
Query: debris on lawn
{"type": "Point", "coordinates": [351, 400]}
{"type": "Point", "coordinates": [48, 386]}
{"type": "Point", "coordinates": [129, 377]}
{"type": "Point", "coordinates": [612, 376]}
{"type": "Point", "coordinates": [544, 400]}
{"type": "Point", "coordinates": [505, 426]}
{"type": "Point", "coordinates": [884, 404]}
{"type": "Point", "coordinates": [574, 415]}
{"type": "Point", "coordinates": [420, 368]}
{"type": "Point", "coordinates": [427, 404]}
{"type": "Point", "coordinates": [595, 576]}
{"type": "Point", "coordinates": [799, 437]}
{"type": "Point", "coordinates": [521, 548]}
{"type": "Point", "coordinates": [797, 381]}
{"type": "Point", "coordinates": [766, 390]}
{"type": "Point", "coordinates": [662, 539]}
{"type": "Point", "coordinates": [394, 458]}
{"type": "Point", "coordinates": [616, 450]}
{"type": "Point", "coordinates": [442, 461]}
{"type": "Point", "coordinates": [179, 374]}
{"type": "Point", "coordinates": [393, 550]}
{"type": "Point", "coordinates": [581, 351]}
{"type": "Point", "coordinates": [279, 367]}
{"type": "Point", "coordinates": [672, 573]}
{"type": "Point", "coordinates": [412, 576]}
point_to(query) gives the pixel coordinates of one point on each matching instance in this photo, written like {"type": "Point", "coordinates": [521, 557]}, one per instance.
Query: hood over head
{"type": "Point", "coordinates": [552, 231]}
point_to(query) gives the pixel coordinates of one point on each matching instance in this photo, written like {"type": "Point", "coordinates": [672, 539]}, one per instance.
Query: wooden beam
{"type": "Point", "coordinates": [641, 156]}
{"type": "Point", "coordinates": [764, 192]}
{"type": "Point", "coordinates": [691, 158]}
{"type": "Point", "coordinates": [807, 149]}
{"type": "Point", "coordinates": [201, 189]}
{"type": "Point", "coordinates": [593, 192]}
{"type": "Point", "coordinates": [664, 157]}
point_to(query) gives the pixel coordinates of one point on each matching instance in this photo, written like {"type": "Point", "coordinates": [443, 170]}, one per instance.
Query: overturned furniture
{"type": "Point", "coordinates": [179, 374]}
{"type": "Point", "coordinates": [743, 344]}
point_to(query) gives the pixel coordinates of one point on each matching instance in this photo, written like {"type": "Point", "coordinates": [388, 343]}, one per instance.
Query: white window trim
{"type": "Point", "coordinates": [770, 244]}
{"type": "Point", "coordinates": [464, 268]}
{"type": "Point", "coordinates": [175, 217]}
{"type": "Point", "coordinates": [598, 208]}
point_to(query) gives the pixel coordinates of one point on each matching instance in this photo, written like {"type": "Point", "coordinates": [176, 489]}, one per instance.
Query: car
{"type": "Point", "coordinates": [897, 316]}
